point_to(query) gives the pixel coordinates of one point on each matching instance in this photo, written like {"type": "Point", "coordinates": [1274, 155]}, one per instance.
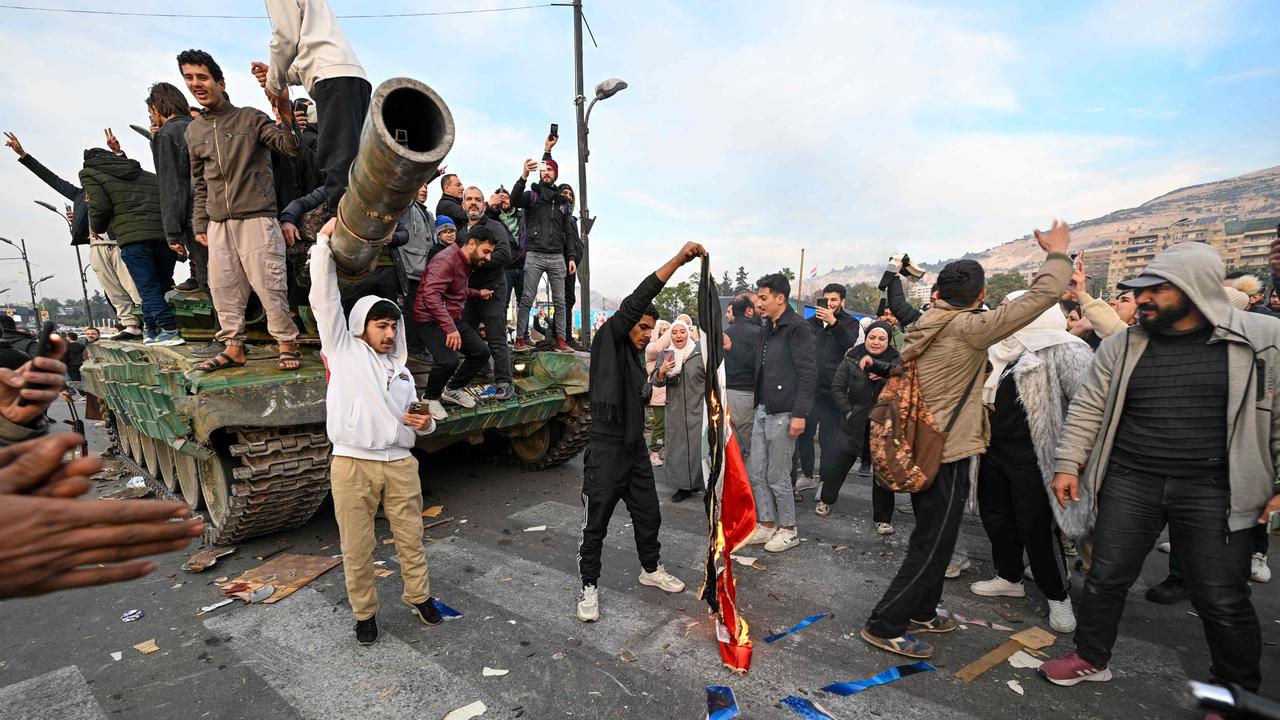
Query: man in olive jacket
{"type": "Point", "coordinates": [949, 347]}
{"type": "Point", "coordinates": [126, 198]}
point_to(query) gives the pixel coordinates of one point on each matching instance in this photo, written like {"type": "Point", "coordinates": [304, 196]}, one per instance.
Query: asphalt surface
{"type": "Point", "coordinates": [516, 589]}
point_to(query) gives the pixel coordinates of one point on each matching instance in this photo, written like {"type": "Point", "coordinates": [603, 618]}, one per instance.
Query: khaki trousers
{"type": "Point", "coordinates": [358, 488]}
{"type": "Point", "coordinates": [246, 255]}
{"type": "Point", "coordinates": [116, 282]}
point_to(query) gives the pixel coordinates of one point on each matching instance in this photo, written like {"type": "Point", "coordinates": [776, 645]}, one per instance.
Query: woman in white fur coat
{"type": "Point", "coordinates": [1035, 373]}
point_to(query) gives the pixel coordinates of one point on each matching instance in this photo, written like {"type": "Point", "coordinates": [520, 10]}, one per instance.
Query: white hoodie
{"type": "Point", "coordinates": [368, 391]}
{"type": "Point", "coordinates": [307, 46]}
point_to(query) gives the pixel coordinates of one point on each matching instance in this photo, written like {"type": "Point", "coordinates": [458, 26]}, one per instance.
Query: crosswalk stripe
{"type": "Point", "coordinates": [61, 694]}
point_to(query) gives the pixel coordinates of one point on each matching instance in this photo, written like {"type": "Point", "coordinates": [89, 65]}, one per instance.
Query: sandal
{"type": "Point", "coordinates": [290, 360]}
{"type": "Point", "coordinates": [905, 644]}
{"type": "Point", "coordinates": [219, 362]}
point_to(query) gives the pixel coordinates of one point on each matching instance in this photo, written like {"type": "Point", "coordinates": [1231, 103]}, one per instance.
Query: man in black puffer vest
{"type": "Point", "coordinates": [127, 198]}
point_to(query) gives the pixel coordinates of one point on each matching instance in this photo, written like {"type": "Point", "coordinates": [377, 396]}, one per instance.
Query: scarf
{"type": "Point", "coordinates": [690, 345]}
{"type": "Point", "coordinates": [616, 387]}
{"type": "Point", "coordinates": [1045, 331]}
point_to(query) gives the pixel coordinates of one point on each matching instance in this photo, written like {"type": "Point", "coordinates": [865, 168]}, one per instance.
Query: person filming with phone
{"type": "Point", "coordinates": [373, 418]}
{"type": "Point", "coordinates": [549, 247]}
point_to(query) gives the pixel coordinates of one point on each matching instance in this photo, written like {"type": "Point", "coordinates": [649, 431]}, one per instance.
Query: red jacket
{"type": "Point", "coordinates": [443, 292]}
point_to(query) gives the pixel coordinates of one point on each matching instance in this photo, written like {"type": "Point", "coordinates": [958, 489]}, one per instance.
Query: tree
{"type": "Point", "coordinates": [103, 314]}
{"type": "Point", "coordinates": [1097, 286]}
{"type": "Point", "coordinates": [740, 280]}
{"type": "Point", "coordinates": [862, 298]}
{"type": "Point", "coordinates": [788, 274]}
{"type": "Point", "coordinates": [1001, 284]}
{"type": "Point", "coordinates": [676, 299]}
{"type": "Point", "coordinates": [725, 285]}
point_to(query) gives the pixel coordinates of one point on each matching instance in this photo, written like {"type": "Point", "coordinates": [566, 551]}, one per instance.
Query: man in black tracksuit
{"type": "Point", "coordinates": [491, 312]}
{"type": "Point", "coordinates": [616, 464]}
{"type": "Point", "coordinates": [834, 332]}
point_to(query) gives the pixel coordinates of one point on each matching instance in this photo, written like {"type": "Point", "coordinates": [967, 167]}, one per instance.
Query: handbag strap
{"type": "Point", "coordinates": [964, 398]}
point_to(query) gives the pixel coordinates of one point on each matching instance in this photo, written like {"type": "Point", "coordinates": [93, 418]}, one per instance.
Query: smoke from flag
{"type": "Point", "coordinates": [731, 509]}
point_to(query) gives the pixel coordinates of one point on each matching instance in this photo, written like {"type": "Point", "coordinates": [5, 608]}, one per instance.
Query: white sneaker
{"type": "Point", "coordinates": [821, 509]}
{"type": "Point", "coordinates": [459, 397]}
{"type": "Point", "coordinates": [783, 540]}
{"type": "Point", "coordinates": [884, 529]}
{"type": "Point", "coordinates": [958, 566]}
{"type": "Point", "coordinates": [804, 482]}
{"type": "Point", "coordinates": [655, 460]}
{"type": "Point", "coordinates": [437, 410]}
{"type": "Point", "coordinates": [1165, 547]}
{"type": "Point", "coordinates": [1259, 572]}
{"type": "Point", "coordinates": [589, 604]}
{"type": "Point", "coordinates": [1061, 618]}
{"type": "Point", "coordinates": [761, 535]}
{"type": "Point", "coordinates": [662, 580]}
{"type": "Point", "coordinates": [998, 587]}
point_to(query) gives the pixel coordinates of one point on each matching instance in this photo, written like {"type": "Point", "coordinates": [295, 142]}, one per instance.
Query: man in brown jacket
{"type": "Point", "coordinates": [235, 210]}
{"type": "Point", "coordinates": [949, 346]}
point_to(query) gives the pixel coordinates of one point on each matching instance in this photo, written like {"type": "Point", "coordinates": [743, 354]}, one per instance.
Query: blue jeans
{"type": "Point", "coordinates": [769, 467]}
{"type": "Point", "coordinates": [151, 267]}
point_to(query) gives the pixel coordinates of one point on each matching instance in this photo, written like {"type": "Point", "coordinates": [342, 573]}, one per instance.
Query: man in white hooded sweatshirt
{"type": "Point", "coordinates": [368, 421]}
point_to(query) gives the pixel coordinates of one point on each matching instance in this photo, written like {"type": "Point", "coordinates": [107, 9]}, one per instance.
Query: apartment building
{"type": "Point", "coordinates": [1242, 243]}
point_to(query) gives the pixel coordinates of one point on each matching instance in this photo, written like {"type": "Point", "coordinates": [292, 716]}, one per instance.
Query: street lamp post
{"type": "Point", "coordinates": [606, 89]}
{"type": "Point", "coordinates": [84, 280]}
{"type": "Point", "coordinates": [26, 261]}
{"type": "Point", "coordinates": [40, 310]}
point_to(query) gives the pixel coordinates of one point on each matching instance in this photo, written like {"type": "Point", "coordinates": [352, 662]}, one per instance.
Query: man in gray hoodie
{"type": "Point", "coordinates": [1176, 425]}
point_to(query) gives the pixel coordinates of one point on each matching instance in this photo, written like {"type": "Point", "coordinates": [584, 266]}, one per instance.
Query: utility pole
{"type": "Point", "coordinates": [30, 283]}
{"type": "Point", "coordinates": [84, 279]}
{"type": "Point", "coordinates": [579, 100]}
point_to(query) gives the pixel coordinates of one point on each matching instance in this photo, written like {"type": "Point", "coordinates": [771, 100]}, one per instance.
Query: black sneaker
{"type": "Point", "coordinates": [1170, 592]}
{"type": "Point", "coordinates": [367, 631]}
{"type": "Point", "coordinates": [210, 350]}
{"type": "Point", "coordinates": [864, 470]}
{"type": "Point", "coordinates": [503, 392]}
{"type": "Point", "coordinates": [426, 612]}
{"type": "Point", "coordinates": [188, 285]}
{"type": "Point", "coordinates": [129, 334]}
{"type": "Point", "coordinates": [681, 495]}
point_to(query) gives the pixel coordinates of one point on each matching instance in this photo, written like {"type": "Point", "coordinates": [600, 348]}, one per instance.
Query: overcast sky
{"type": "Point", "coordinates": [850, 128]}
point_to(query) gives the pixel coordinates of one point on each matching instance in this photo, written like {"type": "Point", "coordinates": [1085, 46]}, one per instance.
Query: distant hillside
{"type": "Point", "coordinates": [1256, 194]}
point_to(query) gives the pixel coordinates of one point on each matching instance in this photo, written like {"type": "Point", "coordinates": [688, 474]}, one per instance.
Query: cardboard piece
{"type": "Point", "coordinates": [1034, 638]}
{"type": "Point", "coordinates": [1006, 650]}
{"type": "Point", "coordinates": [433, 511]}
{"type": "Point", "coordinates": [148, 647]}
{"type": "Point", "coordinates": [288, 572]}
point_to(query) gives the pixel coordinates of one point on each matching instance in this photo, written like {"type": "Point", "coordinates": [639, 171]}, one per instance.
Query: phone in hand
{"type": "Point", "coordinates": [555, 131]}
{"type": "Point", "coordinates": [416, 408]}
{"type": "Point", "coordinates": [1273, 522]}
{"type": "Point", "coordinates": [48, 343]}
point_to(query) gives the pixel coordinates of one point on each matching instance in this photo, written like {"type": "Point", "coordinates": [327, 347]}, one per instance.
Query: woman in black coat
{"type": "Point", "coordinates": [855, 390]}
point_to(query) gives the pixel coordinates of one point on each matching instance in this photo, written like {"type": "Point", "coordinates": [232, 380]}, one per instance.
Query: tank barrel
{"type": "Point", "coordinates": [406, 135]}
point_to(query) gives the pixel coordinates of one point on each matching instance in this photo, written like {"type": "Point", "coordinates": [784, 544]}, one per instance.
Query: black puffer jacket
{"type": "Point", "coordinates": [831, 343]}
{"type": "Point", "coordinates": [547, 225]}
{"type": "Point", "coordinates": [854, 392]}
{"type": "Point", "coordinates": [123, 196]}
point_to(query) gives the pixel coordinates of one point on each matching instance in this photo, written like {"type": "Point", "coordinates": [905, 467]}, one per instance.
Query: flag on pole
{"type": "Point", "coordinates": [813, 272]}
{"type": "Point", "coordinates": [731, 509]}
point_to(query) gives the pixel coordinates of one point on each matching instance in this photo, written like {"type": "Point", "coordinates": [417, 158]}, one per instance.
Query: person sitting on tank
{"type": "Point", "coordinates": [373, 418]}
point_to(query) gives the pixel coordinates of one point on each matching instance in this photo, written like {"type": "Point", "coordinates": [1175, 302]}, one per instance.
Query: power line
{"type": "Point", "coordinates": [121, 13]}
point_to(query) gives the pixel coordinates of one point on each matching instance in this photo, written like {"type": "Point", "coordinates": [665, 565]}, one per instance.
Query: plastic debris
{"type": "Point", "coordinates": [147, 647]}
{"type": "Point", "coordinates": [1016, 686]}
{"type": "Point", "coordinates": [206, 559]}
{"type": "Point", "coordinates": [215, 606]}
{"type": "Point", "coordinates": [132, 615]}
{"type": "Point", "coordinates": [744, 560]}
{"type": "Point", "coordinates": [116, 656]}
{"type": "Point", "coordinates": [475, 709]}
{"type": "Point", "coordinates": [807, 709]}
{"type": "Point", "coordinates": [536, 528]}
{"type": "Point", "coordinates": [846, 689]}
{"type": "Point", "coordinates": [135, 488]}
{"type": "Point", "coordinates": [972, 621]}
{"type": "Point", "coordinates": [493, 672]}
{"type": "Point", "coordinates": [433, 511]}
{"type": "Point", "coordinates": [446, 612]}
{"type": "Point", "coordinates": [1021, 659]}
{"type": "Point", "coordinates": [558, 656]}
{"type": "Point", "coordinates": [798, 627]}
{"type": "Point", "coordinates": [721, 705]}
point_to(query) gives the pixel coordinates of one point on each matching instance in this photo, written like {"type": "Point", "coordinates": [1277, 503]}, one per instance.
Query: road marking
{"type": "Point", "coordinates": [61, 694]}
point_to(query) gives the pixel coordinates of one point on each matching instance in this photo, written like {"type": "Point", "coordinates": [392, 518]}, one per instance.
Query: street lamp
{"type": "Point", "coordinates": [604, 90]}
{"type": "Point", "coordinates": [30, 284]}
{"type": "Point", "coordinates": [84, 281]}
{"type": "Point", "coordinates": [34, 285]}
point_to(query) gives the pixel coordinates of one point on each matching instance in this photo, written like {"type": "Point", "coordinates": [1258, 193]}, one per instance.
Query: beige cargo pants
{"type": "Point", "coordinates": [359, 486]}
{"type": "Point", "coordinates": [246, 255]}
{"type": "Point", "coordinates": [116, 282]}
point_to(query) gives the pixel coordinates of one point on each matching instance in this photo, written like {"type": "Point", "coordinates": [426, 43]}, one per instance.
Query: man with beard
{"type": "Point", "coordinates": [548, 244]}
{"type": "Point", "coordinates": [490, 312]}
{"type": "Point", "coordinates": [513, 220]}
{"type": "Point", "coordinates": [835, 332]}
{"type": "Point", "coordinates": [1174, 427]}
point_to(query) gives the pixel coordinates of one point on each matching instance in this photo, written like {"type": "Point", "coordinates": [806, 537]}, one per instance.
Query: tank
{"type": "Point", "coordinates": [248, 445]}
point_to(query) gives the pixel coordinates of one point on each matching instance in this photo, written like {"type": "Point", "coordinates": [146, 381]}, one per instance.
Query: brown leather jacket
{"type": "Point", "coordinates": [443, 292]}
{"type": "Point", "coordinates": [230, 152]}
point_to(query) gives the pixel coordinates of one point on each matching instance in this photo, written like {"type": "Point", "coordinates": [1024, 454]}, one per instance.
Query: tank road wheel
{"type": "Point", "coordinates": [150, 456]}
{"type": "Point", "coordinates": [555, 443]}
{"type": "Point", "coordinates": [168, 473]}
{"type": "Point", "coordinates": [132, 443]}
{"type": "Point", "coordinates": [531, 448]}
{"type": "Point", "coordinates": [187, 469]}
{"type": "Point", "coordinates": [263, 480]}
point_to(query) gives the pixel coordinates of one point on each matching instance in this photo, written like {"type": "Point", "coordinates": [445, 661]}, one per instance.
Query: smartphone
{"type": "Point", "coordinates": [542, 166]}
{"type": "Point", "coordinates": [1273, 522]}
{"type": "Point", "coordinates": [555, 130]}
{"type": "Point", "coordinates": [415, 408]}
{"type": "Point", "coordinates": [668, 355]}
{"type": "Point", "coordinates": [49, 339]}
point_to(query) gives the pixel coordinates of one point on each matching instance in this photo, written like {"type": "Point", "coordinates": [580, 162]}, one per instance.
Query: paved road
{"type": "Point", "coordinates": [298, 658]}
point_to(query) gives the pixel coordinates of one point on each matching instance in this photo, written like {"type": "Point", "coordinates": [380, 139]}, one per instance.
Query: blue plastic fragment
{"type": "Point", "coordinates": [445, 611]}
{"type": "Point", "coordinates": [721, 704]}
{"type": "Point", "coordinates": [846, 689]}
{"type": "Point", "coordinates": [805, 708]}
{"type": "Point", "coordinates": [799, 626]}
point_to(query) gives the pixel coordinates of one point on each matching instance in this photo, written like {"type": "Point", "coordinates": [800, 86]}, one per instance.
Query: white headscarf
{"type": "Point", "coordinates": [1045, 331]}
{"type": "Point", "coordinates": [690, 344]}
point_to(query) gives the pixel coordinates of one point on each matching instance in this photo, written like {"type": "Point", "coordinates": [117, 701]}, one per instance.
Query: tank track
{"type": "Point", "coordinates": [280, 481]}
{"type": "Point", "coordinates": [572, 441]}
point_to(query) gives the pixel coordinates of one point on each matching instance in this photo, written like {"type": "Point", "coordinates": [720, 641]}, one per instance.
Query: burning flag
{"type": "Point", "coordinates": [731, 509]}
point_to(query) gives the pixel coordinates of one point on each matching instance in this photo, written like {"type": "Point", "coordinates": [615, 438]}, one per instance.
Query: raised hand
{"type": "Point", "coordinates": [259, 70]}
{"type": "Point", "coordinates": [11, 142]}
{"type": "Point", "coordinates": [1078, 279]}
{"type": "Point", "coordinates": [112, 143]}
{"type": "Point", "coordinates": [690, 251]}
{"type": "Point", "coordinates": [1057, 240]}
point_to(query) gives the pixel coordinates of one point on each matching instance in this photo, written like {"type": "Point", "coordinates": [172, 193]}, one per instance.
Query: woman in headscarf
{"type": "Point", "coordinates": [660, 341]}
{"type": "Point", "coordinates": [683, 374]}
{"type": "Point", "coordinates": [1034, 375]}
{"type": "Point", "coordinates": [855, 390]}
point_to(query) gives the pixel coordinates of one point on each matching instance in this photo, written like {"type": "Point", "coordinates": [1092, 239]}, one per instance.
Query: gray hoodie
{"type": "Point", "coordinates": [1253, 411]}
